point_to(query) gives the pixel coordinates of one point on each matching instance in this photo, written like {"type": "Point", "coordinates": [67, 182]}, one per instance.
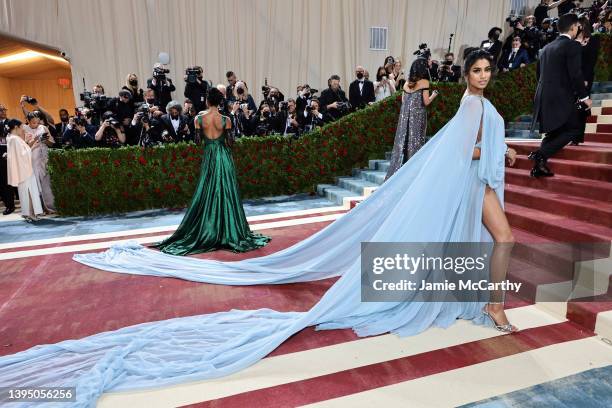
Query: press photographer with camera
{"type": "Point", "coordinates": [287, 118]}
{"type": "Point", "coordinates": [333, 100]}
{"type": "Point", "coordinates": [176, 125]}
{"type": "Point", "coordinates": [96, 101]}
{"type": "Point", "coordinates": [272, 96]}
{"type": "Point", "coordinates": [196, 88]}
{"type": "Point", "coordinates": [122, 106]}
{"type": "Point", "coordinates": [110, 133]}
{"type": "Point", "coordinates": [304, 94]}
{"type": "Point", "coordinates": [242, 95]}
{"type": "Point", "coordinates": [264, 121]}
{"type": "Point", "coordinates": [161, 85]}
{"type": "Point", "coordinates": [312, 117]}
{"type": "Point", "coordinates": [541, 11]}
{"type": "Point", "coordinates": [131, 85]}
{"type": "Point", "coordinates": [241, 118]}
{"type": "Point", "coordinates": [448, 71]}
{"type": "Point", "coordinates": [383, 86]}
{"type": "Point", "coordinates": [145, 129]}
{"type": "Point", "coordinates": [76, 135]}
{"type": "Point", "coordinates": [493, 45]}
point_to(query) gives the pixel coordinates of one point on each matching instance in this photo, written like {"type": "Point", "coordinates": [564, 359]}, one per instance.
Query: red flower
{"type": "Point", "coordinates": [142, 160]}
{"type": "Point", "coordinates": [117, 163]}
{"type": "Point", "coordinates": [95, 172]}
{"type": "Point", "coordinates": [70, 164]}
{"type": "Point", "coordinates": [86, 162]}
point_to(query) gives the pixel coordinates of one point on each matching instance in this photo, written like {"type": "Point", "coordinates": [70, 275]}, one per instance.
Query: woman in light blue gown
{"type": "Point", "coordinates": [450, 191]}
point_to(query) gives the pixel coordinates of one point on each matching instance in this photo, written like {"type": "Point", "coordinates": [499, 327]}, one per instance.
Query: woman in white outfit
{"type": "Point", "coordinates": [20, 172]}
{"type": "Point", "coordinates": [383, 86]}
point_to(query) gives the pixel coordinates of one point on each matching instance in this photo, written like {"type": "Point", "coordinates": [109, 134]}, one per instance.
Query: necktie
{"type": "Point", "coordinates": [511, 60]}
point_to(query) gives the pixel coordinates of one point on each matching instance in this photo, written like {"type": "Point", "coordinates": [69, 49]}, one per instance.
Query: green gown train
{"type": "Point", "coordinates": [215, 218]}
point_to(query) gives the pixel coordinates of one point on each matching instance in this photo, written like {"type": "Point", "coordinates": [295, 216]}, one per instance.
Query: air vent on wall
{"type": "Point", "coordinates": [378, 38]}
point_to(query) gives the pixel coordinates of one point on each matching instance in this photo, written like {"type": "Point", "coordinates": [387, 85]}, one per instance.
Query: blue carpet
{"type": "Point", "coordinates": [54, 227]}
{"type": "Point", "coordinates": [589, 389]}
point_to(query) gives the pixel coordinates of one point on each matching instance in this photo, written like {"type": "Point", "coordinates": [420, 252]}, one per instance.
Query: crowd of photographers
{"type": "Point", "coordinates": [152, 116]}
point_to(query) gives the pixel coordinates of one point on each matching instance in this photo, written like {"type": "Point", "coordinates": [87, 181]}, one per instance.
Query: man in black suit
{"type": "Point", "coordinates": [175, 124]}
{"type": "Point", "coordinates": [560, 87]}
{"type": "Point", "coordinates": [333, 100]}
{"type": "Point", "coordinates": [7, 192]}
{"type": "Point", "coordinates": [361, 90]}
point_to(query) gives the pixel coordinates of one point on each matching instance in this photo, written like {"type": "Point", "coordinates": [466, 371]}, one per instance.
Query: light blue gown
{"type": "Point", "coordinates": [435, 197]}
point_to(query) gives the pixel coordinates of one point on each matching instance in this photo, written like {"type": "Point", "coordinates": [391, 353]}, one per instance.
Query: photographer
{"type": "Point", "coordinates": [604, 22]}
{"type": "Point", "coordinates": [272, 96]}
{"type": "Point", "coordinates": [287, 119]}
{"type": "Point", "coordinates": [131, 85]}
{"type": "Point", "coordinates": [242, 95]}
{"type": "Point", "coordinates": [541, 11]}
{"type": "Point", "coordinates": [123, 106]}
{"type": "Point", "coordinates": [110, 133]}
{"type": "Point", "coordinates": [146, 130]}
{"type": "Point", "coordinates": [196, 88]}
{"type": "Point", "coordinates": [241, 118]}
{"type": "Point", "coordinates": [76, 134]}
{"type": "Point", "coordinates": [176, 125]}
{"type": "Point", "coordinates": [305, 94]}
{"type": "Point", "coordinates": [493, 45]}
{"type": "Point", "coordinates": [383, 86]}
{"type": "Point", "coordinates": [333, 99]}
{"type": "Point", "coordinates": [532, 38]}
{"type": "Point", "coordinates": [548, 32]}
{"type": "Point", "coordinates": [312, 117]}
{"type": "Point", "coordinates": [448, 71]}
{"type": "Point", "coordinates": [35, 108]}
{"type": "Point", "coordinates": [264, 121]}
{"type": "Point", "coordinates": [161, 85]}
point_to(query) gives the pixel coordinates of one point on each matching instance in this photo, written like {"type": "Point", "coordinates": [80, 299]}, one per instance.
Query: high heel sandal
{"type": "Point", "coordinates": [505, 328]}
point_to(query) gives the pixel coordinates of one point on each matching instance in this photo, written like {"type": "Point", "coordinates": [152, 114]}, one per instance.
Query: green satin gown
{"type": "Point", "coordinates": [215, 218]}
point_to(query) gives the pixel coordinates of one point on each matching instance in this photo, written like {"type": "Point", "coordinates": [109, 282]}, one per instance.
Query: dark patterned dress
{"type": "Point", "coordinates": [411, 128]}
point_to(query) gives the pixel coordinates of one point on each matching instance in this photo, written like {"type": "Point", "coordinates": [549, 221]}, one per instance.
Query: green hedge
{"type": "Point", "coordinates": [102, 180]}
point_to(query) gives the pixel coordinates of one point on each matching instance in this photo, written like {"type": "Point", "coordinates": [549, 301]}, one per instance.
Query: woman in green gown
{"type": "Point", "coordinates": [215, 218]}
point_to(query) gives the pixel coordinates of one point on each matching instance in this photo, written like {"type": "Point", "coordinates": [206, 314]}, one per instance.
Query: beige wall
{"type": "Point", "coordinates": [288, 41]}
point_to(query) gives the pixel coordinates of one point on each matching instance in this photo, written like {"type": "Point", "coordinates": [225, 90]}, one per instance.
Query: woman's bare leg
{"type": "Point", "coordinates": [495, 221]}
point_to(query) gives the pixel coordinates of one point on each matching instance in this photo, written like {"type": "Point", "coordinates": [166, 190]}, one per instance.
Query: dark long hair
{"type": "Point", "coordinates": [418, 70]}
{"type": "Point", "coordinates": [474, 56]}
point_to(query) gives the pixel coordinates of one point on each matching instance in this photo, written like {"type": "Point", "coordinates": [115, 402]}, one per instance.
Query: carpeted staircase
{"type": "Point", "coordinates": [573, 206]}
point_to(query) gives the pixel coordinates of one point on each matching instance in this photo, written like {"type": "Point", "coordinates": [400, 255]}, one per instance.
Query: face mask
{"type": "Point", "coordinates": [360, 75]}
{"type": "Point", "coordinates": [133, 82]}
{"type": "Point", "coordinates": [496, 36]}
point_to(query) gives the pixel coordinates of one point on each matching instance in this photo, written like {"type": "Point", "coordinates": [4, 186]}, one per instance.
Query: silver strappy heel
{"type": "Point", "coordinates": [505, 328]}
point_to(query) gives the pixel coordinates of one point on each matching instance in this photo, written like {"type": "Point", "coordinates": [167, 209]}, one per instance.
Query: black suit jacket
{"type": "Point", "coordinates": [560, 83]}
{"type": "Point", "coordinates": [182, 136]}
{"type": "Point", "coordinates": [361, 99]}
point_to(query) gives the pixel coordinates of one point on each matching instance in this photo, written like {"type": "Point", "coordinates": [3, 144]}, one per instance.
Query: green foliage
{"type": "Point", "coordinates": [102, 180]}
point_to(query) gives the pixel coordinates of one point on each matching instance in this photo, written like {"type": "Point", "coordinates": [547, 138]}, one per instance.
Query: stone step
{"type": "Point", "coordinates": [334, 193]}
{"type": "Point", "coordinates": [373, 176]}
{"type": "Point", "coordinates": [522, 134]}
{"type": "Point", "coordinates": [358, 186]}
{"type": "Point", "coordinates": [601, 96]}
{"type": "Point", "coordinates": [521, 126]}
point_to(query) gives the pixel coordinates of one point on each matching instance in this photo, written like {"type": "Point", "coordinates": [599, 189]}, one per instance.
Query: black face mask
{"type": "Point", "coordinates": [240, 91]}
{"type": "Point", "coordinates": [133, 82]}
{"type": "Point", "coordinates": [266, 115]}
{"type": "Point", "coordinates": [360, 75]}
{"type": "Point", "coordinates": [496, 36]}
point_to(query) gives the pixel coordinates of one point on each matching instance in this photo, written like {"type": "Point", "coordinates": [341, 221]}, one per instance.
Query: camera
{"type": "Point", "coordinates": [513, 21]}
{"type": "Point", "coordinates": [30, 100]}
{"type": "Point", "coordinates": [192, 74]}
{"type": "Point", "coordinates": [423, 51]}
{"type": "Point", "coordinates": [94, 101]}
{"type": "Point", "coordinates": [159, 73]}
{"type": "Point", "coordinates": [283, 106]}
{"type": "Point", "coordinates": [344, 107]}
